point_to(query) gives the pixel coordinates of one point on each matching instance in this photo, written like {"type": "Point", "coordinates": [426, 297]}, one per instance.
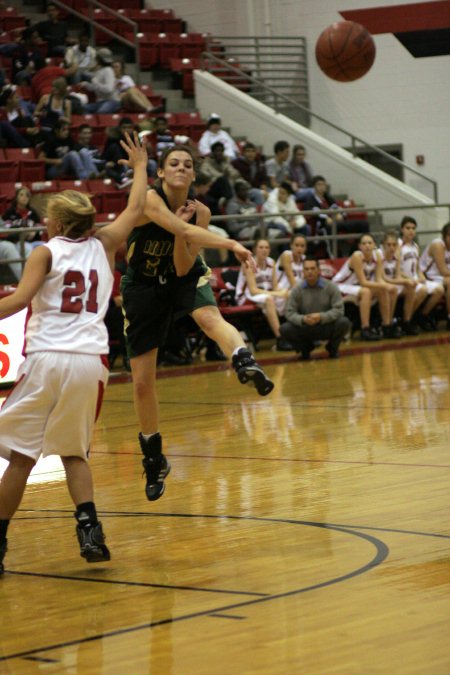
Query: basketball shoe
{"type": "Point", "coordinates": [156, 466]}
{"type": "Point", "coordinates": [3, 549]}
{"type": "Point", "coordinates": [250, 372]}
{"type": "Point", "coordinates": [92, 542]}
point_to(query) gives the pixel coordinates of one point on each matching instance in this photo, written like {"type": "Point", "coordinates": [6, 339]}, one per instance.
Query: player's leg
{"type": "Point", "coordinates": [12, 487]}
{"type": "Point", "coordinates": [89, 529]}
{"type": "Point", "coordinates": [156, 465]}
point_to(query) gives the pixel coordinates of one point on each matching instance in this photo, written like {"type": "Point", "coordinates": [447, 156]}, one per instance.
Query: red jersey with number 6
{"type": "Point", "coordinates": [68, 310]}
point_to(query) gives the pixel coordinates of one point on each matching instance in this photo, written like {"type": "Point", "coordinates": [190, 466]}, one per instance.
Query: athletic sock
{"type": "Point", "coordinates": [3, 529]}
{"type": "Point", "coordinates": [86, 513]}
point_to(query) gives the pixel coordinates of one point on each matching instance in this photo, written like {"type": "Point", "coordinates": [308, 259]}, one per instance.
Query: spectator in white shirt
{"type": "Point", "coordinates": [214, 133]}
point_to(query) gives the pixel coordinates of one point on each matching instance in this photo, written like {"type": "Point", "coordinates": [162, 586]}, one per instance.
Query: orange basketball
{"type": "Point", "coordinates": [345, 51]}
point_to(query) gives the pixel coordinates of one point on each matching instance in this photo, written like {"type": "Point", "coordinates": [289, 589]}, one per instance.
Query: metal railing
{"type": "Point", "coordinates": [281, 103]}
{"type": "Point", "coordinates": [261, 218]}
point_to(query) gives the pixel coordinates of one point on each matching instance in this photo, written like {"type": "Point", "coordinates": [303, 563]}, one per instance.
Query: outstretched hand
{"type": "Point", "coordinates": [244, 256]}
{"type": "Point", "coordinates": [137, 153]}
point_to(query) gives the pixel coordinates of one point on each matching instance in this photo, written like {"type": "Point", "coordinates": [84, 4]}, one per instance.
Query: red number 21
{"type": "Point", "coordinates": [75, 288]}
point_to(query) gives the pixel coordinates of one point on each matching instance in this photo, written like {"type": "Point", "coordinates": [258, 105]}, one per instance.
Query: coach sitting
{"type": "Point", "coordinates": [314, 312]}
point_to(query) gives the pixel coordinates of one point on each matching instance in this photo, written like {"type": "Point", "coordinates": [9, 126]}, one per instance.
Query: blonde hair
{"type": "Point", "coordinates": [74, 211]}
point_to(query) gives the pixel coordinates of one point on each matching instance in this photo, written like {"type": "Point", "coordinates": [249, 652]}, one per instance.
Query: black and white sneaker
{"type": "Point", "coordinates": [156, 466]}
{"type": "Point", "coordinates": [3, 549]}
{"type": "Point", "coordinates": [92, 543]}
{"type": "Point", "coordinates": [250, 372]}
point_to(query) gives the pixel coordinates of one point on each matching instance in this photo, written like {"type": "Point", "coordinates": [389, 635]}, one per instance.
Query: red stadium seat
{"type": "Point", "coordinates": [31, 170]}
{"type": "Point", "coordinates": [9, 171]}
{"type": "Point", "coordinates": [18, 154]}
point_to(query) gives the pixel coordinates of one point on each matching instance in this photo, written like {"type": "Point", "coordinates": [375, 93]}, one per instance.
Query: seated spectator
{"type": "Point", "coordinates": [361, 279]}
{"type": "Point", "coordinates": [61, 157]}
{"type": "Point", "coordinates": [162, 137]}
{"type": "Point", "coordinates": [80, 60]}
{"type": "Point", "coordinates": [435, 264]}
{"type": "Point", "coordinates": [51, 107]}
{"type": "Point", "coordinates": [406, 288]}
{"type": "Point", "coordinates": [213, 134]}
{"type": "Point", "coordinates": [113, 153]}
{"type": "Point", "coordinates": [26, 57]}
{"type": "Point", "coordinates": [221, 172]}
{"type": "Point", "coordinates": [289, 265]}
{"type": "Point", "coordinates": [21, 214]}
{"type": "Point", "coordinates": [8, 251]}
{"type": "Point", "coordinates": [261, 287]}
{"type": "Point", "coordinates": [131, 98]}
{"type": "Point", "coordinates": [281, 201]}
{"type": "Point", "coordinates": [18, 125]}
{"type": "Point", "coordinates": [300, 173]}
{"type": "Point", "coordinates": [54, 31]}
{"type": "Point", "coordinates": [253, 170]}
{"type": "Point", "coordinates": [240, 205]}
{"type": "Point", "coordinates": [410, 268]}
{"type": "Point", "coordinates": [277, 168]}
{"type": "Point", "coordinates": [201, 187]}
{"type": "Point", "coordinates": [103, 85]}
{"type": "Point", "coordinates": [315, 311]}
{"type": "Point", "coordinates": [86, 149]}
{"type": "Point", "coordinates": [322, 223]}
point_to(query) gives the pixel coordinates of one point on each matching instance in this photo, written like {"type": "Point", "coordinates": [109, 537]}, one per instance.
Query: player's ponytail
{"type": "Point", "coordinates": [74, 211]}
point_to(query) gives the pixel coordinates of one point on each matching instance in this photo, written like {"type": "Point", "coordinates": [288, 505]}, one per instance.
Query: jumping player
{"type": "Point", "coordinates": [68, 282]}
{"type": "Point", "coordinates": [165, 280]}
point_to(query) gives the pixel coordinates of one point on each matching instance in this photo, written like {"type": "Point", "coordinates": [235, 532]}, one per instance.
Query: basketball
{"type": "Point", "coordinates": [345, 51]}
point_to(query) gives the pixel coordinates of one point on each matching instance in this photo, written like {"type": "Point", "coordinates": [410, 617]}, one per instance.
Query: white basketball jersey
{"type": "Point", "coordinates": [297, 270]}
{"type": "Point", "coordinates": [428, 263]}
{"type": "Point", "coordinates": [68, 310]}
{"type": "Point", "coordinates": [389, 266]}
{"type": "Point", "coordinates": [263, 278]}
{"type": "Point", "coordinates": [409, 259]}
{"type": "Point", "coordinates": [346, 275]}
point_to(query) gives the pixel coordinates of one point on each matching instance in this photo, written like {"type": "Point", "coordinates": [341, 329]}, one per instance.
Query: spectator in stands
{"type": "Point", "coordinates": [406, 288]}
{"type": "Point", "coordinates": [21, 214]}
{"type": "Point", "coordinates": [277, 168]}
{"type": "Point", "coordinates": [241, 205]}
{"type": "Point", "coordinates": [435, 264]}
{"type": "Point", "coordinates": [289, 265]}
{"type": "Point", "coordinates": [360, 279]}
{"type": "Point", "coordinates": [8, 251]}
{"type": "Point", "coordinates": [80, 60]}
{"type": "Point", "coordinates": [253, 170]}
{"type": "Point", "coordinates": [103, 85]}
{"type": "Point", "coordinates": [300, 173]}
{"type": "Point", "coordinates": [213, 134]}
{"type": "Point", "coordinates": [201, 187]}
{"type": "Point", "coordinates": [281, 201]}
{"type": "Point", "coordinates": [221, 172]}
{"type": "Point", "coordinates": [261, 287]}
{"type": "Point", "coordinates": [320, 198]}
{"type": "Point", "coordinates": [21, 130]}
{"type": "Point", "coordinates": [54, 31]}
{"type": "Point", "coordinates": [315, 311]}
{"type": "Point", "coordinates": [410, 268]}
{"type": "Point", "coordinates": [51, 107]}
{"type": "Point", "coordinates": [61, 157]}
{"type": "Point", "coordinates": [26, 58]}
{"type": "Point", "coordinates": [86, 149]}
{"type": "Point", "coordinates": [162, 137]}
{"type": "Point", "coordinates": [113, 152]}
{"type": "Point", "coordinates": [131, 98]}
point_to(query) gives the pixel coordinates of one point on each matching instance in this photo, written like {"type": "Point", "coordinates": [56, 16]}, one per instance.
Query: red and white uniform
{"type": "Point", "coordinates": [264, 281]}
{"type": "Point", "coordinates": [346, 278]}
{"type": "Point", "coordinates": [57, 396]}
{"type": "Point", "coordinates": [297, 269]}
{"type": "Point", "coordinates": [390, 268]}
{"type": "Point", "coordinates": [409, 265]}
{"type": "Point", "coordinates": [428, 264]}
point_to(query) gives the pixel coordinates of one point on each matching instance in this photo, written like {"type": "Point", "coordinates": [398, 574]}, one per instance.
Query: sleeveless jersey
{"type": "Point", "coordinates": [389, 266]}
{"type": "Point", "coordinates": [409, 259]}
{"type": "Point", "coordinates": [346, 275]}
{"type": "Point", "coordinates": [263, 278]}
{"type": "Point", "coordinates": [150, 253]}
{"type": "Point", "coordinates": [68, 310]}
{"type": "Point", "coordinates": [428, 263]}
{"type": "Point", "coordinates": [297, 269]}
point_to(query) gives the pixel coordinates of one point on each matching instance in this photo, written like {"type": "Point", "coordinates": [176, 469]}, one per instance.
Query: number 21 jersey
{"type": "Point", "coordinates": [68, 310]}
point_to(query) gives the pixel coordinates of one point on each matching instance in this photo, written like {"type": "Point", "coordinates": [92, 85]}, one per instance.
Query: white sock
{"type": "Point", "coordinates": [147, 436]}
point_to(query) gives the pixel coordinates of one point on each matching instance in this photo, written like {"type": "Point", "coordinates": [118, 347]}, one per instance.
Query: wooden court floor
{"type": "Point", "coordinates": [303, 533]}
